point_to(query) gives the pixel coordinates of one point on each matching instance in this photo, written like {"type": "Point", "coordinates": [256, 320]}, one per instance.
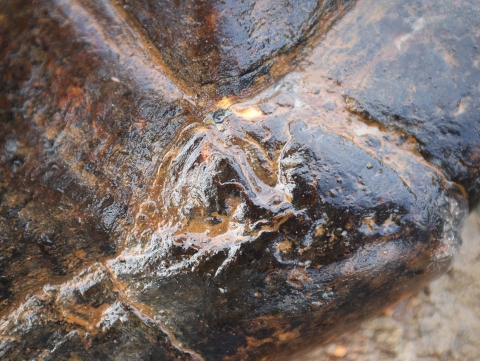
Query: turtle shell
{"type": "Point", "coordinates": [227, 180]}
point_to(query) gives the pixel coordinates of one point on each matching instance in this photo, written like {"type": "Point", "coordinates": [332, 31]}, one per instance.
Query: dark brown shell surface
{"type": "Point", "coordinates": [227, 180]}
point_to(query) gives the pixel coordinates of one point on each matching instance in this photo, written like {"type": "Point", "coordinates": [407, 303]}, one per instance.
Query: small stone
{"type": "Point", "coordinates": [339, 351]}
{"type": "Point", "coordinates": [369, 165]}
{"type": "Point", "coordinates": [330, 106]}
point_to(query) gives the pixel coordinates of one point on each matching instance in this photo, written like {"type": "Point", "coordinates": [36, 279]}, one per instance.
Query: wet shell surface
{"type": "Point", "coordinates": [227, 180]}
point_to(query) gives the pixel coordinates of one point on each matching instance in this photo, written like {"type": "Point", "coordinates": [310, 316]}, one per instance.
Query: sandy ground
{"type": "Point", "coordinates": [441, 323]}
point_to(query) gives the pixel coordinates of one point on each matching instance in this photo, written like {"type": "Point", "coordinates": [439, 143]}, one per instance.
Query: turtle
{"type": "Point", "coordinates": [227, 180]}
